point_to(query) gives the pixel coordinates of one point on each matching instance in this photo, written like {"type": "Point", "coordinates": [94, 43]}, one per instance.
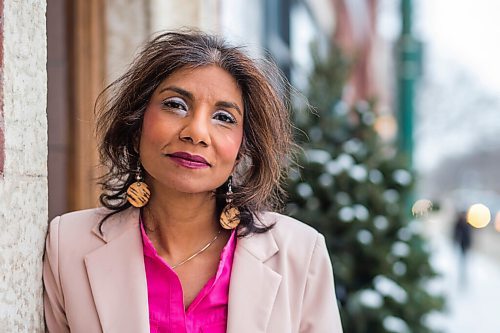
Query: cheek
{"type": "Point", "coordinates": [231, 146]}
{"type": "Point", "coordinates": [154, 128]}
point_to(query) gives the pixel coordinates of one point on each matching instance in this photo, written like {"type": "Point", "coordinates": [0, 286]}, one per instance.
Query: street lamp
{"type": "Point", "coordinates": [408, 69]}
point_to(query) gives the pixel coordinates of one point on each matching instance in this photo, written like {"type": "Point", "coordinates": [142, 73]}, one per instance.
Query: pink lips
{"type": "Point", "coordinates": [189, 161]}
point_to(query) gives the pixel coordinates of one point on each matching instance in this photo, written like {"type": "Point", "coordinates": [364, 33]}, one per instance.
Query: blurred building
{"type": "Point", "coordinates": [92, 41]}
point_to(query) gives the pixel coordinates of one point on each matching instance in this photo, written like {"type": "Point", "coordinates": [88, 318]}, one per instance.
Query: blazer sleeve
{"type": "Point", "coordinates": [53, 300]}
{"type": "Point", "coordinates": [320, 313]}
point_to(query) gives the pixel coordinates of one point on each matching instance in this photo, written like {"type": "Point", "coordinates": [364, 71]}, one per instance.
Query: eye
{"type": "Point", "coordinates": [224, 117]}
{"type": "Point", "coordinates": [174, 103]}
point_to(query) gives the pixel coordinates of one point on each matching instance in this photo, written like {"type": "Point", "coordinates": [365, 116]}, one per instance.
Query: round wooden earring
{"type": "Point", "coordinates": [138, 194]}
{"type": "Point", "coordinates": [230, 217]}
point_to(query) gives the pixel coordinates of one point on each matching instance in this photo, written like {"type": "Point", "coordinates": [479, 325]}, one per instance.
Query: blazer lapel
{"type": "Point", "coordinates": [253, 286]}
{"type": "Point", "coordinates": [117, 277]}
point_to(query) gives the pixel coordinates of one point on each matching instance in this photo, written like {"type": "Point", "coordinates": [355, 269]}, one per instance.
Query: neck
{"type": "Point", "coordinates": [178, 223]}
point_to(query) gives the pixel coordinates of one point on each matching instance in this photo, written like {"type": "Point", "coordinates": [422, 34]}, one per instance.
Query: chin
{"type": "Point", "coordinates": [190, 187]}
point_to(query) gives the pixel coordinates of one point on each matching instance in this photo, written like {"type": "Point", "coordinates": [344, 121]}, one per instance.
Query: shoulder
{"type": "Point", "coordinates": [86, 216]}
{"type": "Point", "coordinates": [80, 221]}
{"type": "Point", "coordinates": [89, 219]}
{"type": "Point", "coordinates": [287, 229]}
{"type": "Point", "coordinates": [73, 235]}
{"type": "Point", "coordinates": [83, 226]}
{"type": "Point", "coordinates": [290, 243]}
{"type": "Point", "coordinates": [290, 238]}
{"type": "Point", "coordinates": [72, 230]}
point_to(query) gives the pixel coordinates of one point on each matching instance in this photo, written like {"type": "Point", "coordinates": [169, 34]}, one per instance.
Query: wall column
{"type": "Point", "coordinates": [23, 185]}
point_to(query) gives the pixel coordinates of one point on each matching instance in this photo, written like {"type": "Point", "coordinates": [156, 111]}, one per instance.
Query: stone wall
{"type": "Point", "coordinates": [23, 186]}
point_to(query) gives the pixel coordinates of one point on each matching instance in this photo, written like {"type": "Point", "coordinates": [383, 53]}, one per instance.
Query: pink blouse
{"type": "Point", "coordinates": [208, 311]}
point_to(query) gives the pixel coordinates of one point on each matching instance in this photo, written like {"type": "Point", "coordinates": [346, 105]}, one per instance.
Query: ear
{"type": "Point", "coordinates": [241, 151]}
{"type": "Point", "coordinates": [136, 142]}
{"type": "Point", "coordinates": [239, 157]}
{"type": "Point", "coordinates": [235, 165]}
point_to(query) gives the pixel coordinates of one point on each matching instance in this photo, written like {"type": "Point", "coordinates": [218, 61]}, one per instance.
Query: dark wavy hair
{"type": "Point", "coordinates": [267, 132]}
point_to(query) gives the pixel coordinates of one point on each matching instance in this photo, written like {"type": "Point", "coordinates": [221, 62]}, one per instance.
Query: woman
{"type": "Point", "coordinates": [195, 137]}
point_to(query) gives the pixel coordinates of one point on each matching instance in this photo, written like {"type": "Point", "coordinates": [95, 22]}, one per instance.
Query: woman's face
{"type": "Point", "coordinates": [192, 130]}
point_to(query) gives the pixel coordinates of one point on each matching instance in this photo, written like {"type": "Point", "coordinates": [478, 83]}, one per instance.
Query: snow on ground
{"type": "Point", "coordinates": [473, 304]}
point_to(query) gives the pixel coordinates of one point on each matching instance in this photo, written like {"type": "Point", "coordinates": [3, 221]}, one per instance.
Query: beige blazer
{"type": "Point", "coordinates": [281, 280]}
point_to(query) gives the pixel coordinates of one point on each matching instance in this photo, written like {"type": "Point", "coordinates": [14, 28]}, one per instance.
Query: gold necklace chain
{"type": "Point", "coordinates": [204, 248]}
{"type": "Point", "coordinates": [198, 252]}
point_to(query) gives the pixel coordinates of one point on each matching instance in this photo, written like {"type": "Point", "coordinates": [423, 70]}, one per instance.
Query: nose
{"type": "Point", "coordinates": [196, 130]}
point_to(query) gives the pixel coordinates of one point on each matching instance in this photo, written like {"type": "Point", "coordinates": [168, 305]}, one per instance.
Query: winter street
{"type": "Point", "coordinates": [473, 303]}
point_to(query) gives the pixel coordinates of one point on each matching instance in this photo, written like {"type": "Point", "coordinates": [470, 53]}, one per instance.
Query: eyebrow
{"type": "Point", "coordinates": [229, 105]}
{"type": "Point", "coordinates": [187, 94]}
{"type": "Point", "coordinates": [180, 91]}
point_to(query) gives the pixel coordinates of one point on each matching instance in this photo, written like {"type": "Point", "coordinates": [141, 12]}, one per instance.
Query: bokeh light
{"type": "Point", "coordinates": [478, 216]}
{"type": "Point", "coordinates": [497, 222]}
{"type": "Point", "coordinates": [421, 207]}
{"type": "Point", "coordinates": [386, 126]}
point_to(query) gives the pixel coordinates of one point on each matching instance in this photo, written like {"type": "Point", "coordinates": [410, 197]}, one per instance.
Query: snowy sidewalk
{"type": "Point", "coordinates": [471, 307]}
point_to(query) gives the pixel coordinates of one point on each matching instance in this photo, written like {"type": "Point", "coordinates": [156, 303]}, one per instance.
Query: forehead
{"type": "Point", "coordinates": [207, 80]}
